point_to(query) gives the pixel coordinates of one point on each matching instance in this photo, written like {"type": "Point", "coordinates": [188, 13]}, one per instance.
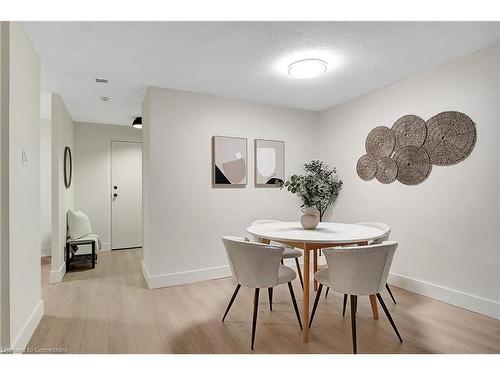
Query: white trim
{"type": "Point", "coordinates": [22, 339]}
{"type": "Point", "coordinates": [204, 274]}
{"type": "Point", "coordinates": [179, 278]}
{"type": "Point", "coordinates": [454, 297]}
{"type": "Point", "coordinates": [467, 301]}
{"type": "Point", "coordinates": [105, 246]}
{"type": "Point", "coordinates": [46, 251]}
{"type": "Point", "coordinates": [57, 275]}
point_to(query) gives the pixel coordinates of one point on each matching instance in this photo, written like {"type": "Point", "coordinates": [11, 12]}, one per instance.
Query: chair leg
{"type": "Point", "coordinates": [354, 306]}
{"type": "Point", "coordinates": [270, 293]}
{"type": "Point", "coordinates": [295, 307]}
{"type": "Point", "coordinates": [327, 290]}
{"type": "Point", "coordinates": [93, 254]}
{"type": "Point", "coordinates": [316, 300]}
{"type": "Point", "coordinates": [231, 301]}
{"type": "Point", "coordinates": [255, 309]}
{"type": "Point", "coordinates": [344, 305]}
{"type": "Point", "coordinates": [299, 273]}
{"type": "Point", "coordinates": [390, 292]}
{"type": "Point", "coordinates": [388, 314]}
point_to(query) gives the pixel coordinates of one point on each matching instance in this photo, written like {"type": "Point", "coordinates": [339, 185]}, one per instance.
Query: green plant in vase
{"type": "Point", "coordinates": [318, 189]}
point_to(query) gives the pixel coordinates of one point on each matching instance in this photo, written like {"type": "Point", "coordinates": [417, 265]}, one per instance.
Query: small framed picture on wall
{"type": "Point", "coordinates": [229, 161]}
{"type": "Point", "coordinates": [269, 162]}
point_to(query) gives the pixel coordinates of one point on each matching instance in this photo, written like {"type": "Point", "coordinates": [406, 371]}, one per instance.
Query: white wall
{"type": "Point", "coordinates": [26, 306]}
{"type": "Point", "coordinates": [4, 186]}
{"type": "Point", "coordinates": [62, 198]}
{"type": "Point", "coordinates": [45, 186]}
{"type": "Point", "coordinates": [146, 161]}
{"type": "Point", "coordinates": [92, 172]}
{"type": "Point", "coordinates": [448, 226]}
{"type": "Point", "coordinates": [187, 217]}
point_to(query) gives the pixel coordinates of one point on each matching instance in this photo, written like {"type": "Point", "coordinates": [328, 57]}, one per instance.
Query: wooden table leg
{"type": "Point", "coordinates": [373, 302]}
{"type": "Point", "coordinates": [305, 301]}
{"type": "Point", "coordinates": [315, 268]}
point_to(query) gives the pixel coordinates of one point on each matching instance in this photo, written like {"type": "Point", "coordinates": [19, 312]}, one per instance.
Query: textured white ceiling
{"type": "Point", "coordinates": [246, 60]}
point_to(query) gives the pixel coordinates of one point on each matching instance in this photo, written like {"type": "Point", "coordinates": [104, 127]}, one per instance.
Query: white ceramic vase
{"type": "Point", "coordinates": [310, 218]}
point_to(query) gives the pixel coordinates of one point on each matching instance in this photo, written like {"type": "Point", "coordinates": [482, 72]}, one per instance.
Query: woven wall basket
{"type": "Point", "coordinates": [366, 167]}
{"type": "Point", "coordinates": [380, 142]}
{"type": "Point", "coordinates": [387, 170]}
{"type": "Point", "coordinates": [409, 130]}
{"type": "Point", "coordinates": [451, 136]}
{"type": "Point", "coordinates": [414, 165]}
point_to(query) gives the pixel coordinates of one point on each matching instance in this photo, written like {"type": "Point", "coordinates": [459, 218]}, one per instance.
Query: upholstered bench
{"type": "Point", "coordinates": [72, 248]}
{"type": "Point", "coordinates": [80, 234]}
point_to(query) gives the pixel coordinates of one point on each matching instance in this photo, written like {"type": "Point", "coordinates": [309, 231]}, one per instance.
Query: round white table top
{"type": "Point", "coordinates": [324, 232]}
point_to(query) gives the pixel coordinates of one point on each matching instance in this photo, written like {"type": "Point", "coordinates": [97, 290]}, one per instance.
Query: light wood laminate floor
{"type": "Point", "coordinates": [110, 310]}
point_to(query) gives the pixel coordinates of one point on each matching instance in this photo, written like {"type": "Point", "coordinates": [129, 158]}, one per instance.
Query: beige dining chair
{"type": "Point", "coordinates": [289, 253]}
{"type": "Point", "coordinates": [357, 271]}
{"type": "Point", "coordinates": [387, 230]}
{"type": "Point", "coordinates": [256, 265]}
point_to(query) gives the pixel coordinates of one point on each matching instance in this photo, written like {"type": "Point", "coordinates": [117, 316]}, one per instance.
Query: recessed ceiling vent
{"type": "Point", "coordinates": [101, 80]}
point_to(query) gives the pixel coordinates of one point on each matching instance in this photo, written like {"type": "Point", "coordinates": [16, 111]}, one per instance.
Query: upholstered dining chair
{"type": "Point", "coordinates": [255, 265]}
{"type": "Point", "coordinates": [357, 271]}
{"type": "Point", "coordinates": [289, 253]}
{"type": "Point", "coordinates": [387, 230]}
{"type": "Point", "coordinates": [385, 237]}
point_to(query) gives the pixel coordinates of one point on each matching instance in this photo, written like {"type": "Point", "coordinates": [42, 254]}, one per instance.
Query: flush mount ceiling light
{"type": "Point", "coordinates": [137, 123]}
{"type": "Point", "coordinates": [104, 98]}
{"type": "Point", "coordinates": [307, 68]}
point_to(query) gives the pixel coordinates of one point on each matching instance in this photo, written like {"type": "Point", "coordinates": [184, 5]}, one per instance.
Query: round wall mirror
{"type": "Point", "coordinates": [68, 167]}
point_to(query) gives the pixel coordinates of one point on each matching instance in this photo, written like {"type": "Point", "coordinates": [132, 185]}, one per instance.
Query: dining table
{"type": "Point", "coordinates": [325, 235]}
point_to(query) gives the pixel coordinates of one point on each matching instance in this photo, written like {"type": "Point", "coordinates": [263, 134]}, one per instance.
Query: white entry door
{"type": "Point", "coordinates": [126, 194]}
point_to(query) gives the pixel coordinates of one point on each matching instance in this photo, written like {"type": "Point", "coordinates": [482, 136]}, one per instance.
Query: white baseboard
{"type": "Point", "coordinates": [57, 275]}
{"type": "Point", "coordinates": [105, 246]}
{"type": "Point", "coordinates": [179, 278]}
{"type": "Point", "coordinates": [46, 251]}
{"type": "Point", "coordinates": [454, 297]}
{"type": "Point", "coordinates": [21, 340]}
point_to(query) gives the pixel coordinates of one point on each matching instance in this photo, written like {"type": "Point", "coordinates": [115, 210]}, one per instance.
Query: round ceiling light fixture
{"type": "Point", "coordinates": [307, 68]}
{"type": "Point", "coordinates": [137, 123]}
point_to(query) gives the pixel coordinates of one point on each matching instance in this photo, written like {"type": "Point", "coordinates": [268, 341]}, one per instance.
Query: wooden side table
{"type": "Point", "coordinates": [71, 243]}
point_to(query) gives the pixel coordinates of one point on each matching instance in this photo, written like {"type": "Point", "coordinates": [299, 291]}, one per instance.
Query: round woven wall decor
{"type": "Point", "coordinates": [451, 136]}
{"type": "Point", "coordinates": [414, 165]}
{"type": "Point", "coordinates": [409, 130]}
{"type": "Point", "coordinates": [387, 170]}
{"type": "Point", "coordinates": [380, 142]}
{"type": "Point", "coordinates": [366, 167]}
